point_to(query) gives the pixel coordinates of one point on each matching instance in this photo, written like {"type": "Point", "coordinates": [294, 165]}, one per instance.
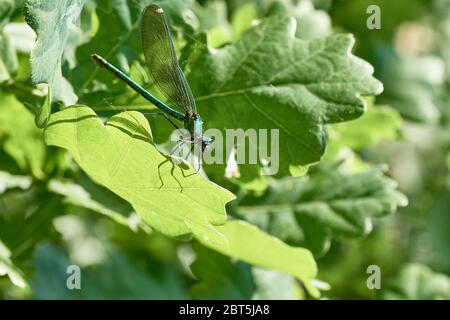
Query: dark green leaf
{"type": "Point", "coordinates": [52, 22]}
{"type": "Point", "coordinates": [272, 80]}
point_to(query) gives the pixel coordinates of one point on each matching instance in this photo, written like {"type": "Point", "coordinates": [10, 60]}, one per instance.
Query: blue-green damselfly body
{"type": "Point", "coordinates": [163, 66]}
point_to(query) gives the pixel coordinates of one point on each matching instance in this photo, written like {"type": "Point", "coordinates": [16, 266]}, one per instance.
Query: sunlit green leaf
{"type": "Point", "coordinates": [272, 80]}
{"type": "Point", "coordinates": [272, 285]}
{"type": "Point", "coordinates": [8, 181]}
{"type": "Point", "coordinates": [121, 156]}
{"type": "Point", "coordinates": [115, 278]}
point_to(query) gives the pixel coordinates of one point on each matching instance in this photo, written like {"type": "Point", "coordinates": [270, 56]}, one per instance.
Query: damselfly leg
{"type": "Point", "coordinates": [161, 114]}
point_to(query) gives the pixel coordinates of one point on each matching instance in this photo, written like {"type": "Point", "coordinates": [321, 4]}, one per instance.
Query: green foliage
{"type": "Point", "coordinates": [247, 243]}
{"type": "Point", "coordinates": [20, 137]}
{"type": "Point", "coordinates": [439, 236]}
{"type": "Point", "coordinates": [8, 58]}
{"type": "Point", "coordinates": [418, 282]}
{"type": "Point", "coordinates": [43, 113]}
{"type": "Point", "coordinates": [242, 19]}
{"type": "Point", "coordinates": [122, 157]}
{"type": "Point", "coordinates": [378, 124]}
{"type": "Point", "coordinates": [85, 182]}
{"type": "Point", "coordinates": [9, 269]}
{"type": "Point", "coordinates": [132, 282]}
{"type": "Point", "coordinates": [53, 33]}
{"type": "Point", "coordinates": [311, 83]}
{"type": "Point", "coordinates": [6, 8]}
{"type": "Point", "coordinates": [306, 211]}
{"type": "Point", "coordinates": [86, 194]}
{"type": "Point", "coordinates": [219, 277]}
{"type": "Point", "coordinates": [9, 181]}
{"type": "Point", "coordinates": [412, 82]}
{"type": "Point", "coordinates": [222, 278]}
{"type": "Point", "coordinates": [118, 40]}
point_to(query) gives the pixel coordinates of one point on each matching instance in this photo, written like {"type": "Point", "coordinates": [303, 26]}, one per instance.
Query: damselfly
{"type": "Point", "coordinates": [163, 66]}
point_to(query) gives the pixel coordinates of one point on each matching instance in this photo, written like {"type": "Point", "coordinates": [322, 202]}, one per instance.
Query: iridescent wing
{"type": "Point", "coordinates": [162, 61]}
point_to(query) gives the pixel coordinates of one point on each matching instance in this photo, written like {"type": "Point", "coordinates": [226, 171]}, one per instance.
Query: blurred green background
{"type": "Point", "coordinates": [47, 223]}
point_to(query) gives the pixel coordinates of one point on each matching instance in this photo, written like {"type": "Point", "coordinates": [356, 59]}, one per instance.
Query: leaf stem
{"type": "Point", "coordinates": [22, 90]}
